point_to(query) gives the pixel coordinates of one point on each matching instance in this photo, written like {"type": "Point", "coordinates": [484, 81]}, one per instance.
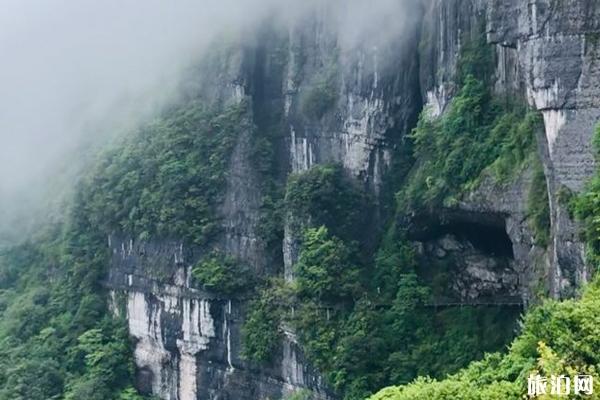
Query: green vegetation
{"type": "Point", "coordinates": [565, 197]}
{"type": "Point", "coordinates": [538, 206]}
{"type": "Point", "coordinates": [556, 338]}
{"type": "Point", "coordinates": [586, 208]}
{"type": "Point", "coordinates": [364, 320]}
{"type": "Point", "coordinates": [300, 395]}
{"type": "Point", "coordinates": [363, 338]}
{"type": "Point", "coordinates": [166, 180]}
{"type": "Point", "coordinates": [498, 139]}
{"type": "Point", "coordinates": [222, 274]}
{"type": "Point", "coordinates": [591, 43]}
{"type": "Point", "coordinates": [325, 270]}
{"type": "Point", "coordinates": [325, 195]}
{"type": "Point", "coordinates": [57, 338]}
{"type": "Point", "coordinates": [478, 135]}
{"type": "Point", "coordinates": [261, 332]}
{"type": "Point", "coordinates": [361, 321]}
{"type": "Point", "coordinates": [322, 94]}
{"type": "Point", "coordinates": [322, 196]}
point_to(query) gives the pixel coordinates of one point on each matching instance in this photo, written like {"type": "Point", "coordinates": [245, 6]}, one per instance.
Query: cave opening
{"type": "Point", "coordinates": [489, 239]}
{"type": "Point", "coordinates": [466, 261]}
{"type": "Point", "coordinates": [467, 258]}
{"type": "Point", "coordinates": [485, 232]}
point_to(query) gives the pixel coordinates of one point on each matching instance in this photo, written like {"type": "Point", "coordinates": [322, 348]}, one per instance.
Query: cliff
{"type": "Point", "coordinates": [320, 100]}
{"type": "Point", "coordinates": [545, 52]}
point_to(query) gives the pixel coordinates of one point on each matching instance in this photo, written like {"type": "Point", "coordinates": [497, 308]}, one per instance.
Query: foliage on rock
{"type": "Point", "coordinates": [166, 179]}
{"type": "Point", "coordinates": [222, 274]}
{"type": "Point", "coordinates": [586, 208]}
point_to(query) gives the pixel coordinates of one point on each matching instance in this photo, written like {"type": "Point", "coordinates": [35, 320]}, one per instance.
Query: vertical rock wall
{"type": "Point", "coordinates": [547, 53]}
{"type": "Point", "coordinates": [557, 53]}
{"type": "Point", "coordinates": [188, 341]}
{"type": "Point", "coordinates": [375, 101]}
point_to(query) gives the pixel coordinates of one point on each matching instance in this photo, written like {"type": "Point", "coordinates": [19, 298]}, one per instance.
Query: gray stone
{"type": "Point", "coordinates": [547, 52]}
{"type": "Point", "coordinates": [188, 341]}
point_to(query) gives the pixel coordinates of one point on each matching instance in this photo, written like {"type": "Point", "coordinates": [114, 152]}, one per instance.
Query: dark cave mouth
{"type": "Point", "coordinates": [485, 232]}
{"type": "Point", "coordinates": [467, 258]}
{"type": "Point", "coordinates": [490, 240]}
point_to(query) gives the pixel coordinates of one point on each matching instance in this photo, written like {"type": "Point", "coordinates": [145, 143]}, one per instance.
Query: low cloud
{"type": "Point", "coordinates": [76, 72]}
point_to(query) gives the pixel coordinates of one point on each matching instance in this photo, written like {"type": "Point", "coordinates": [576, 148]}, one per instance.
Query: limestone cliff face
{"type": "Point", "coordinates": [557, 60]}
{"type": "Point", "coordinates": [546, 52]}
{"type": "Point", "coordinates": [188, 341]}
{"type": "Point", "coordinates": [374, 102]}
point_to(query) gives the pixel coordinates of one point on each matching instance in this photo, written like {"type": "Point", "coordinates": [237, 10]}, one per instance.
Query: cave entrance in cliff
{"type": "Point", "coordinates": [466, 258]}
{"type": "Point", "coordinates": [467, 261]}
{"type": "Point", "coordinates": [485, 231]}
{"type": "Point", "coordinates": [489, 239]}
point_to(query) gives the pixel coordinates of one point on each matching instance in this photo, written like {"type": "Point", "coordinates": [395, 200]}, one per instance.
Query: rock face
{"type": "Point", "coordinates": [556, 54]}
{"type": "Point", "coordinates": [546, 52]}
{"type": "Point", "coordinates": [369, 92]}
{"type": "Point", "coordinates": [375, 101]}
{"type": "Point", "coordinates": [187, 341]}
{"type": "Point", "coordinates": [471, 275]}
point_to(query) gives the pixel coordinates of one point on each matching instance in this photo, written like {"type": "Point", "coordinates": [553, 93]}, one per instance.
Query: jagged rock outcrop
{"type": "Point", "coordinates": [472, 273]}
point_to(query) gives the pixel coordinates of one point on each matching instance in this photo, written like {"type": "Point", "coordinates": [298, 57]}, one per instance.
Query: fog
{"type": "Point", "coordinates": [76, 72]}
{"type": "Point", "coordinates": [84, 67]}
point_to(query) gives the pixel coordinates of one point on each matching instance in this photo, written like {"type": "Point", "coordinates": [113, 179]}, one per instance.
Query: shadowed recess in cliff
{"type": "Point", "coordinates": [486, 232]}
{"type": "Point", "coordinates": [469, 264]}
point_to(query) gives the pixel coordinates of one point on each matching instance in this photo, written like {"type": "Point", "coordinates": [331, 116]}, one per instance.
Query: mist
{"type": "Point", "coordinates": [76, 68]}
{"type": "Point", "coordinates": [76, 73]}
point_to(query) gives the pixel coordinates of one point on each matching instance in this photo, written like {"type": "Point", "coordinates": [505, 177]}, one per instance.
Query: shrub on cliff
{"type": "Point", "coordinates": [326, 195]}
{"type": "Point", "coordinates": [587, 209]}
{"type": "Point", "coordinates": [322, 94]}
{"type": "Point", "coordinates": [475, 135]}
{"type": "Point", "coordinates": [325, 270]}
{"type": "Point", "coordinates": [222, 274]}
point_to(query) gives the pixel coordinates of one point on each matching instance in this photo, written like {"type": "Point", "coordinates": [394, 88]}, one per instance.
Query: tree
{"type": "Point", "coordinates": [325, 270]}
